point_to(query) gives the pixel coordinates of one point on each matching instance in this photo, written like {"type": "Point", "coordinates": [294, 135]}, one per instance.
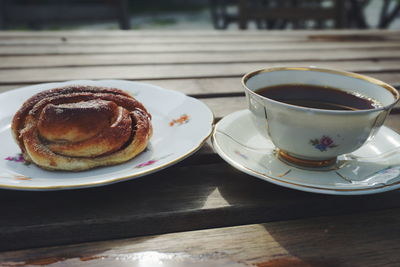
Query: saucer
{"type": "Point", "coordinates": [373, 168]}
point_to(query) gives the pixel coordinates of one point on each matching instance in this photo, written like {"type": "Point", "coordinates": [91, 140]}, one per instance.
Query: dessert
{"type": "Point", "coordinates": [76, 128]}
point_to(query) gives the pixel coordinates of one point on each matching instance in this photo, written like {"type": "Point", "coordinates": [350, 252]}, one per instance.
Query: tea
{"type": "Point", "coordinates": [320, 97]}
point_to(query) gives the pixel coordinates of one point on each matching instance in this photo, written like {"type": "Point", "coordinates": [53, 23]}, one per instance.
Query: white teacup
{"type": "Point", "coordinates": [314, 137]}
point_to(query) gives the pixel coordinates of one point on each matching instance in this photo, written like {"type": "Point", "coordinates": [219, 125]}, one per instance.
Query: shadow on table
{"type": "Point", "coordinates": [306, 226]}
{"type": "Point", "coordinates": [358, 239]}
{"type": "Point", "coordinates": [177, 199]}
{"type": "Point", "coordinates": [163, 202]}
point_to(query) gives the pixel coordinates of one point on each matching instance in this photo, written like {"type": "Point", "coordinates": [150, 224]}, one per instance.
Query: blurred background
{"type": "Point", "coordinates": [197, 14]}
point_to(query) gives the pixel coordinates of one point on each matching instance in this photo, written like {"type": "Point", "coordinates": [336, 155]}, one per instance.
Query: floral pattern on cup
{"type": "Point", "coordinates": [184, 118]}
{"type": "Point", "coordinates": [323, 143]}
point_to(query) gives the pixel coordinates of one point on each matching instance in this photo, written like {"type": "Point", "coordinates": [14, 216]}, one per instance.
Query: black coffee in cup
{"type": "Point", "coordinates": [320, 97]}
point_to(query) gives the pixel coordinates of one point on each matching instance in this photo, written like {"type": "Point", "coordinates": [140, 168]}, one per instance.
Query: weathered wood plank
{"type": "Point", "coordinates": [42, 61]}
{"type": "Point", "coordinates": [211, 86]}
{"type": "Point", "coordinates": [98, 38]}
{"type": "Point", "coordinates": [199, 33]}
{"type": "Point", "coordinates": [177, 199]}
{"type": "Point", "coordinates": [196, 47]}
{"type": "Point", "coordinates": [132, 39]}
{"type": "Point", "coordinates": [323, 241]}
{"type": "Point", "coordinates": [223, 106]}
{"type": "Point", "coordinates": [178, 71]}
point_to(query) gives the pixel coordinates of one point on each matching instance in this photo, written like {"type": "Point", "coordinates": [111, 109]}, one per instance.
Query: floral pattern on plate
{"type": "Point", "coordinates": [19, 158]}
{"type": "Point", "coordinates": [183, 119]}
{"type": "Point", "coordinates": [151, 162]}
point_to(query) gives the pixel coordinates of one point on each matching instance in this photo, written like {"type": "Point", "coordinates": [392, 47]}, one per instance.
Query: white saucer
{"type": "Point", "coordinates": [373, 168]}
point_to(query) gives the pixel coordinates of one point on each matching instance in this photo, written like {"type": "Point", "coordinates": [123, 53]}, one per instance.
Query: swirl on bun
{"type": "Point", "coordinates": [77, 128]}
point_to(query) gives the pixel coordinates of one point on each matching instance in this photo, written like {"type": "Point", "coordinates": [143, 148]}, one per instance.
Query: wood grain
{"type": "Point", "coordinates": [179, 48]}
{"type": "Point", "coordinates": [209, 87]}
{"type": "Point", "coordinates": [148, 58]}
{"type": "Point", "coordinates": [180, 71]}
{"type": "Point", "coordinates": [347, 240]}
{"type": "Point", "coordinates": [162, 35]}
{"type": "Point", "coordinates": [178, 199]}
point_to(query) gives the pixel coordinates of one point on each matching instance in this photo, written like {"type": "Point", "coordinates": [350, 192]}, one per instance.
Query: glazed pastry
{"type": "Point", "coordinates": [76, 128]}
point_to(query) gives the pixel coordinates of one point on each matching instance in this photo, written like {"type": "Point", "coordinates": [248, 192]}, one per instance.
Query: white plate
{"type": "Point", "coordinates": [181, 125]}
{"type": "Point", "coordinates": [373, 168]}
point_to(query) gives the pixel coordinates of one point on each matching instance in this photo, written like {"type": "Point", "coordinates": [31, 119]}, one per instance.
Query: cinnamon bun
{"type": "Point", "coordinates": [76, 128]}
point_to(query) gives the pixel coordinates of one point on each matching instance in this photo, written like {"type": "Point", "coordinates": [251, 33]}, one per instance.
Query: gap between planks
{"type": "Point", "coordinates": [43, 62]}
{"type": "Point", "coordinates": [192, 48]}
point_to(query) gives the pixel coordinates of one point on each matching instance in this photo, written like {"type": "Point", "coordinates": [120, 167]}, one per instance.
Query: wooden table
{"type": "Point", "coordinates": [201, 206]}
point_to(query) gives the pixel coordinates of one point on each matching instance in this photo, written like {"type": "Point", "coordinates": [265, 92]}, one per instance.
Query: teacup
{"type": "Point", "coordinates": [311, 135]}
